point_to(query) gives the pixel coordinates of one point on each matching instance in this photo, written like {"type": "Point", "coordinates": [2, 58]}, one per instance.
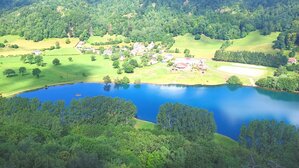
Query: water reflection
{"type": "Point", "coordinates": [232, 106]}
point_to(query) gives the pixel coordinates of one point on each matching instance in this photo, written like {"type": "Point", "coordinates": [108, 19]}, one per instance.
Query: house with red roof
{"type": "Point", "coordinates": [292, 61]}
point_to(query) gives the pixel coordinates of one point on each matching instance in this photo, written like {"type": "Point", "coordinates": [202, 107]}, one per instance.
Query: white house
{"type": "Point", "coordinates": [37, 52]}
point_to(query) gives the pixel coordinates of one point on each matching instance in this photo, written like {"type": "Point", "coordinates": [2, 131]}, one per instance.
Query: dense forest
{"type": "Point", "coordinates": [99, 132]}
{"type": "Point", "coordinates": [146, 20]}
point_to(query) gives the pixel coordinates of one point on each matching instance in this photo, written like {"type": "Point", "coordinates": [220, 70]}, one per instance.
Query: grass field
{"type": "Point", "coordinates": [206, 47]}
{"type": "Point", "coordinates": [27, 46]}
{"type": "Point", "coordinates": [254, 42]}
{"type": "Point", "coordinates": [69, 72]}
{"type": "Point", "coordinates": [105, 38]}
{"type": "Point", "coordinates": [203, 48]}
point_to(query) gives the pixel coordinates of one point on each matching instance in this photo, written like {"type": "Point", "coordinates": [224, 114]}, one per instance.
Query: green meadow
{"type": "Point", "coordinates": [203, 48]}
{"type": "Point", "coordinates": [254, 42]}
{"type": "Point", "coordinates": [206, 47]}
{"type": "Point", "coordinates": [82, 69]}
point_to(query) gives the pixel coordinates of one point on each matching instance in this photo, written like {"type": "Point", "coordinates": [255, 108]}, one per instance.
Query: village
{"type": "Point", "coordinates": [153, 53]}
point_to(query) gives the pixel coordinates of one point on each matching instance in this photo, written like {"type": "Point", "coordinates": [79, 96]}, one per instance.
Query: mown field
{"type": "Point", "coordinates": [206, 47]}
{"type": "Point", "coordinates": [203, 48]}
{"type": "Point", "coordinates": [27, 46]}
{"type": "Point", "coordinates": [254, 42]}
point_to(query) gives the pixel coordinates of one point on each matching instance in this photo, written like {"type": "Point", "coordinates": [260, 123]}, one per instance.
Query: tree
{"type": "Point", "coordinates": [234, 80]}
{"type": "Point", "coordinates": [177, 50]}
{"type": "Point", "coordinates": [84, 36]}
{"type": "Point", "coordinates": [125, 80]}
{"type": "Point", "coordinates": [38, 60]}
{"type": "Point", "coordinates": [57, 45]}
{"type": "Point", "coordinates": [9, 72]}
{"type": "Point", "coordinates": [2, 45]}
{"type": "Point", "coordinates": [107, 80]}
{"type": "Point", "coordinates": [67, 41]}
{"type": "Point", "coordinates": [189, 121]}
{"type": "Point", "coordinates": [115, 64]}
{"type": "Point", "coordinates": [187, 53]}
{"type": "Point", "coordinates": [70, 59]}
{"type": "Point", "coordinates": [197, 37]}
{"type": "Point", "coordinates": [56, 61]}
{"type": "Point", "coordinates": [119, 71]}
{"type": "Point", "coordinates": [93, 58]}
{"type": "Point", "coordinates": [36, 72]}
{"type": "Point", "coordinates": [134, 63]}
{"type": "Point", "coordinates": [128, 68]}
{"type": "Point", "coordinates": [280, 71]}
{"type": "Point", "coordinates": [22, 70]}
{"type": "Point", "coordinates": [292, 53]}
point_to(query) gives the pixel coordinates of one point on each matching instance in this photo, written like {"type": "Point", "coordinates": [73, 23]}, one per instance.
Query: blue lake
{"type": "Point", "coordinates": [231, 106]}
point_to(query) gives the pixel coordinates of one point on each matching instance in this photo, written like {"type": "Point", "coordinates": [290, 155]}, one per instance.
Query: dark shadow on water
{"type": "Point", "coordinates": [277, 95]}
{"type": "Point", "coordinates": [233, 87]}
{"type": "Point", "coordinates": [107, 88]}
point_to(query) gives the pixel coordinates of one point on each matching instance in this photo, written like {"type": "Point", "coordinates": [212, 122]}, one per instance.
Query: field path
{"type": "Point", "coordinates": [252, 82]}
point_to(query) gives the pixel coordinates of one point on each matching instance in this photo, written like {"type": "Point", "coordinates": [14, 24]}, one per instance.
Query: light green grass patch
{"type": "Point", "coordinates": [254, 41]}
{"type": "Point", "coordinates": [203, 48]}
{"type": "Point", "coordinates": [141, 124]}
{"type": "Point", "coordinates": [105, 38]}
{"type": "Point", "coordinates": [62, 52]}
{"type": "Point", "coordinates": [225, 141]}
{"type": "Point", "coordinates": [9, 38]}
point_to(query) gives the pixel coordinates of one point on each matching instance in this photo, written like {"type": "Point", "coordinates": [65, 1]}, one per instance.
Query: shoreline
{"type": "Point", "coordinates": [11, 94]}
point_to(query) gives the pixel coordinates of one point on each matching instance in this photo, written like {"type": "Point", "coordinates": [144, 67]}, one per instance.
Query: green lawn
{"type": "Point", "coordinates": [203, 48]}
{"type": "Point", "coordinates": [254, 42]}
{"type": "Point", "coordinates": [27, 46]}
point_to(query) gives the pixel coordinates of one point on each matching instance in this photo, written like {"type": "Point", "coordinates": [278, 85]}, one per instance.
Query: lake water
{"type": "Point", "coordinates": [231, 106]}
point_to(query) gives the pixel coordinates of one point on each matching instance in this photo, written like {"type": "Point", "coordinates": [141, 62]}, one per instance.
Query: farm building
{"type": "Point", "coordinates": [292, 61]}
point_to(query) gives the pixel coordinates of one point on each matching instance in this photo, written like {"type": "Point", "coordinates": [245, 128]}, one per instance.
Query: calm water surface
{"type": "Point", "coordinates": [232, 107]}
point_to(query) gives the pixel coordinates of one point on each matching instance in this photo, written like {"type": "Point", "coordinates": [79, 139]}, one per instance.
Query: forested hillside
{"type": "Point", "coordinates": [146, 20]}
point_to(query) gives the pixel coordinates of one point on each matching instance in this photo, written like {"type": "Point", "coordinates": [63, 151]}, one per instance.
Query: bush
{"type": "Point", "coordinates": [93, 58]}
{"type": "Point", "coordinates": [9, 72]}
{"type": "Point", "coordinates": [56, 61]}
{"type": "Point", "coordinates": [68, 41]}
{"type": "Point", "coordinates": [115, 64]}
{"type": "Point", "coordinates": [197, 37]}
{"type": "Point", "coordinates": [15, 46]}
{"type": "Point", "coordinates": [2, 45]}
{"type": "Point", "coordinates": [234, 80]}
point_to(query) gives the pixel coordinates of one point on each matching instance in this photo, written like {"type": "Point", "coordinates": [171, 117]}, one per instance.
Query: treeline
{"type": "Point", "coordinates": [256, 58]}
{"type": "Point", "coordinates": [95, 132]}
{"type": "Point", "coordinates": [282, 83]}
{"type": "Point", "coordinates": [146, 20]}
